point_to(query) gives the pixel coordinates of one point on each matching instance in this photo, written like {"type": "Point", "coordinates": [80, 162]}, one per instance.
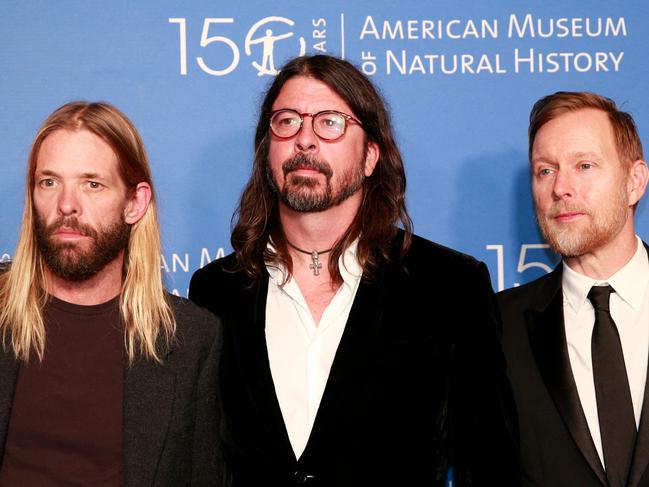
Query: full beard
{"type": "Point", "coordinates": [71, 262]}
{"type": "Point", "coordinates": [308, 194]}
{"type": "Point", "coordinates": [569, 241]}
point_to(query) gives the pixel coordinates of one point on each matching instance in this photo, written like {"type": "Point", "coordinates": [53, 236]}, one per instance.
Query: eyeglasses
{"type": "Point", "coordinates": [327, 124]}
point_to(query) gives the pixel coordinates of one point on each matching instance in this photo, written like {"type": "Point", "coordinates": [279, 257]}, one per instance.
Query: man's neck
{"type": "Point", "coordinates": [102, 287]}
{"type": "Point", "coordinates": [605, 261]}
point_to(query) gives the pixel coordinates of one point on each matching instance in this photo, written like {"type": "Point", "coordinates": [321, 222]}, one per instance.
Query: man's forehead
{"type": "Point", "coordinates": [77, 152]}
{"type": "Point", "coordinates": [69, 144]}
{"type": "Point", "coordinates": [303, 93]}
{"type": "Point", "coordinates": [575, 128]}
{"type": "Point", "coordinates": [581, 119]}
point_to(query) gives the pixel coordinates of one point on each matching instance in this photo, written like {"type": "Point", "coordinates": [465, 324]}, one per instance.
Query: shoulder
{"type": "Point", "coordinates": [431, 258]}
{"type": "Point", "coordinates": [515, 303]}
{"type": "Point", "coordinates": [194, 325]}
{"type": "Point", "coordinates": [217, 286]}
{"type": "Point", "coordinates": [432, 274]}
{"type": "Point", "coordinates": [214, 273]}
{"type": "Point", "coordinates": [423, 248]}
{"type": "Point", "coordinates": [524, 296]}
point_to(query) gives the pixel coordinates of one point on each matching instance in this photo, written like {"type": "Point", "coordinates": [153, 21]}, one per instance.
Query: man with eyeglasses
{"type": "Point", "coordinates": [341, 365]}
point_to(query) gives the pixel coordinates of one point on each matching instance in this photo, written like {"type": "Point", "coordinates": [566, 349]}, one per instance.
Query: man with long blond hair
{"type": "Point", "coordinates": [105, 378]}
{"type": "Point", "coordinates": [340, 364]}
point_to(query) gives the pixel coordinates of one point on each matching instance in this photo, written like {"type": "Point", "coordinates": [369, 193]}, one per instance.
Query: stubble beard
{"type": "Point", "coordinates": [570, 240]}
{"type": "Point", "coordinates": [68, 260]}
{"type": "Point", "coordinates": [308, 193]}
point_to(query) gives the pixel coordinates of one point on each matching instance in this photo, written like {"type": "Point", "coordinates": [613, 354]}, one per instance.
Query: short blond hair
{"type": "Point", "coordinates": [627, 140]}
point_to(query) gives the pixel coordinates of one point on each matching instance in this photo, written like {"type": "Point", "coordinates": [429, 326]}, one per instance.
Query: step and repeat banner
{"type": "Point", "coordinates": [459, 77]}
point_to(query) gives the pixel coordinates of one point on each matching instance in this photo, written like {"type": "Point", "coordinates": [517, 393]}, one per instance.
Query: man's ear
{"type": "Point", "coordinates": [138, 203]}
{"type": "Point", "coordinates": [371, 158]}
{"type": "Point", "coordinates": [637, 182]}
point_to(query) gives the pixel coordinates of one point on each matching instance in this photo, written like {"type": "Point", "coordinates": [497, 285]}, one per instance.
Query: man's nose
{"type": "Point", "coordinates": [68, 201]}
{"type": "Point", "coordinates": [306, 140]}
{"type": "Point", "coordinates": [563, 186]}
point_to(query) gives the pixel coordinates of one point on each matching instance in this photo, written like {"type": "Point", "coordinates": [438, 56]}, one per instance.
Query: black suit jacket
{"type": "Point", "coordinates": [417, 381]}
{"type": "Point", "coordinates": [556, 447]}
{"type": "Point", "coordinates": [171, 411]}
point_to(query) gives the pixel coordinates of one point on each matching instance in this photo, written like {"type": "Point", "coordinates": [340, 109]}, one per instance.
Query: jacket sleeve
{"type": "Point", "coordinates": [208, 465]}
{"type": "Point", "coordinates": [483, 422]}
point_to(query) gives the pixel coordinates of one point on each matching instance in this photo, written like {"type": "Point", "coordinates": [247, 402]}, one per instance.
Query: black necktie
{"type": "Point", "coordinates": [614, 405]}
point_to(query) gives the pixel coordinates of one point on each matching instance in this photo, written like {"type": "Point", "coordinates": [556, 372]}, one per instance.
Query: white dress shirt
{"type": "Point", "coordinates": [629, 306]}
{"type": "Point", "coordinates": [300, 351]}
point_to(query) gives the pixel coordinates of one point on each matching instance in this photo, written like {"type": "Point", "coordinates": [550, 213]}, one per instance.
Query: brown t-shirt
{"type": "Point", "coordinates": [66, 419]}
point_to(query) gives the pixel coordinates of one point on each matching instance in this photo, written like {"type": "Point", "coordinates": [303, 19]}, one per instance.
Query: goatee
{"type": "Point", "coordinates": [306, 193]}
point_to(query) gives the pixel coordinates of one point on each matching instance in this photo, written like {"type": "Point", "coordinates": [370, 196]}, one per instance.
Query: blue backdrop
{"type": "Point", "coordinates": [460, 78]}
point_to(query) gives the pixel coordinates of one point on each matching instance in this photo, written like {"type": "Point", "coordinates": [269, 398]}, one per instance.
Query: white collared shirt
{"type": "Point", "coordinates": [300, 351]}
{"type": "Point", "coordinates": [629, 306]}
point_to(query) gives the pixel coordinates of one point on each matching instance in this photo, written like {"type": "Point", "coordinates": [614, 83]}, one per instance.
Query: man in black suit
{"type": "Point", "coordinates": [576, 340]}
{"type": "Point", "coordinates": [355, 353]}
{"type": "Point", "coordinates": [105, 379]}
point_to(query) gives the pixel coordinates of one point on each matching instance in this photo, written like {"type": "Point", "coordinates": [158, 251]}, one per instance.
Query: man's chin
{"type": "Point", "coordinates": [71, 253]}
{"type": "Point", "coordinates": [303, 205]}
{"type": "Point", "coordinates": [570, 242]}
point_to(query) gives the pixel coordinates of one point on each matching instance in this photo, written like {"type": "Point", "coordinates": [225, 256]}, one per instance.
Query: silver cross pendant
{"type": "Point", "coordinates": [316, 266]}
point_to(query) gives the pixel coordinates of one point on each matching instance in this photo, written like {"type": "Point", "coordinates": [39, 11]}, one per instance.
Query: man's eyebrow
{"type": "Point", "coordinates": [584, 154]}
{"type": "Point", "coordinates": [85, 175]}
{"type": "Point", "coordinates": [46, 172]}
{"type": "Point", "coordinates": [90, 175]}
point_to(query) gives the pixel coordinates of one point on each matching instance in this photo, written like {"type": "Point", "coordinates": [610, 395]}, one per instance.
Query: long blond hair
{"type": "Point", "coordinates": [144, 306]}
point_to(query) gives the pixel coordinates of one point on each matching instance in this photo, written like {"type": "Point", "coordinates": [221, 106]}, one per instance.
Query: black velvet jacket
{"type": "Point", "coordinates": [418, 381]}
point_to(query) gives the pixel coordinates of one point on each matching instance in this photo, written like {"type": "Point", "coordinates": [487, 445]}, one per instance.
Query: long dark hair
{"type": "Point", "coordinates": [383, 204]}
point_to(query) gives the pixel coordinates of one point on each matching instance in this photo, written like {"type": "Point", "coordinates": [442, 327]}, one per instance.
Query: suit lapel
{"type": "Point", "coordinates": [148, 404]}
{"type": "Point", "coordinates": [547, 338]}
{"type": "Point", "coordinates": [641, 454]}
{"type": "Point", "coordinates": [349, 370]}
{"type": "Point", "coordinates": [8, 375]}
{"type": "Point", "coordinates": [252, 356]}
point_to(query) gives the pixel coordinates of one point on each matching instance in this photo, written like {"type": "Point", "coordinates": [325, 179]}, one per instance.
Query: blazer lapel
{"type": "Point", "coordinates": [349, 369]}
{"type": "Point", "coordinates": [8, 375]}
{"type": "Point", "coordinates": [252, 356]}
{"type": "Point", "coordinates": [148, 403]}
{"type": "Point", "coordinates": [641, 454]}
{"type": "Point", "coordinates": [548, 340]}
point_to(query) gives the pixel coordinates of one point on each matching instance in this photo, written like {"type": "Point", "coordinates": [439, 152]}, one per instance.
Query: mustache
{"type": "Point", "coordinates": [306, 161]}
{"type": "Point", "coordinates": [73, 223]}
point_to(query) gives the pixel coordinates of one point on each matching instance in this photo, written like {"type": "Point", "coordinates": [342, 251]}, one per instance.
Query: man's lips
{"type": "Point", "coordinates": [568, 216]}
{"type": "Point", "coordinates": [64, 232]}
{"type": "Point", "coordinates": [305, 169]}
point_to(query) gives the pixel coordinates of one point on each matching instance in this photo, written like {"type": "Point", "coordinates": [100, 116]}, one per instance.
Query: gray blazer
{"type": "Point", "coordinates": [172, 411]}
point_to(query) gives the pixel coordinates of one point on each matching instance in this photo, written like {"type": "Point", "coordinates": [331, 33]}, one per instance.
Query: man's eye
{"type": "Point", "coordinates": [586, 165]}
{"type": "Point", "coordinates": [331, 122]}
{"type": "Point", "coordinates": [544, 171]}
{"type": "Point", "coordinates": [46, 183]}
{"type": "Point", "coordinates": [94, 184]}
{"type": "Point", "coordinates": [287, 121]}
